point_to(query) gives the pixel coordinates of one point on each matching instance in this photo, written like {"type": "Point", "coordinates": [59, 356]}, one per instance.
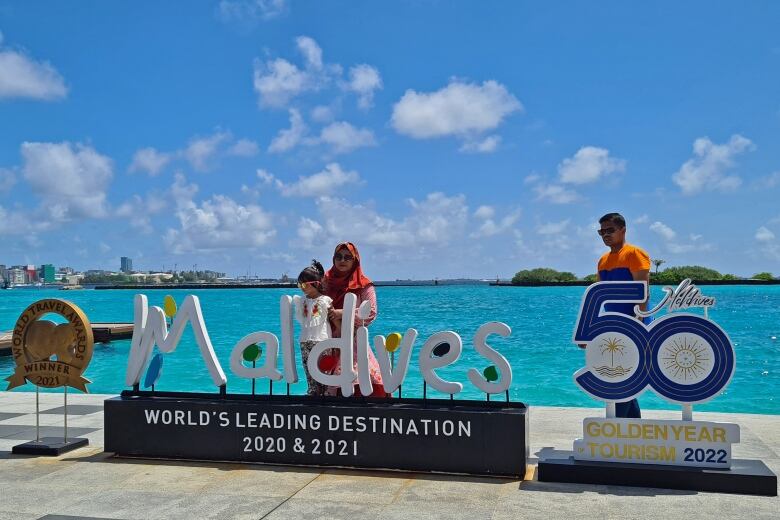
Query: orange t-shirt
{"type": "Point", "coordinates": [619, 266]}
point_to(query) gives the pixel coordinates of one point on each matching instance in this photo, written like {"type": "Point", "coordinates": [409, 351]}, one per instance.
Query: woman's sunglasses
{"type": "Point", "coordinates": [339, 257]}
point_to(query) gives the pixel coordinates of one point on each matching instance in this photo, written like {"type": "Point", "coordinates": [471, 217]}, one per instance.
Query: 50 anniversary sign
{"type": "Point", "coordinates": [684, 358]}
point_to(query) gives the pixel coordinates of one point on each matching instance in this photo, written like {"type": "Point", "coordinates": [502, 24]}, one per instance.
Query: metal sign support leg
{"type": "Point", "coordinates": [37, 415]}
{"type": "Point", "coordinates": [65, 438]}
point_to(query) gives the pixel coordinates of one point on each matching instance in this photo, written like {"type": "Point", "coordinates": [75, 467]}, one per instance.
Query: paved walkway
{"type": "Point", "coordinates": [89, 483]}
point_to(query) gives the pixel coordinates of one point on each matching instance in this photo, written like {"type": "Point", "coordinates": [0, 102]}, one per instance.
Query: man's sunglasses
{"type": "Point", "coordinates": [606, 231]}
{"type": "Point", "coordinates": [339, 257]}
{"type": "Point", "coordinates": [305, 285]}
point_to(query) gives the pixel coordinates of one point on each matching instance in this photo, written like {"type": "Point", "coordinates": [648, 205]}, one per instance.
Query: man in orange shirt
{"type": "Point", "coordinates": [623, 262]}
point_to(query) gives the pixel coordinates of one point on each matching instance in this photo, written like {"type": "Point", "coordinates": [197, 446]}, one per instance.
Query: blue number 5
{"type": "Point", "coordinates": [648, 341]}
{"type": "Point", "coordinates": [592, 322]}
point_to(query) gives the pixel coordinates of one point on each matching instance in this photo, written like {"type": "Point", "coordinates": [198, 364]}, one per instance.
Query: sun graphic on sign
{"type": "Point", "coordinates": [612, 346]}
{"type": "Point", "coordinates": [686, 359]}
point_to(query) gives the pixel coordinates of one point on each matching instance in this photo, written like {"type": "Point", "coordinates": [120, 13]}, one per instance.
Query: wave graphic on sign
{"type": "Point", "coordinates": [617, 371]}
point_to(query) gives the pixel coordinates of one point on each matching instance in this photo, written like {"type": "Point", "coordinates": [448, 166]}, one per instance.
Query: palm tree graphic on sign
{"type": "Point", "coordinates": [610, 346]}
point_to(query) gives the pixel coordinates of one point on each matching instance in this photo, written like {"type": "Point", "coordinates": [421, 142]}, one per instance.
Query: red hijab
{"type": "Point", "coordinates": [338, 284]}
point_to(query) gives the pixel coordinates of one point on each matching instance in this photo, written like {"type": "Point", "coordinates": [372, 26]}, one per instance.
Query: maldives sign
{"type": "Point", "coordinates": [150, 329]}
{"type": "Point", "coordinates": [684, 358]}
{"type": "Point", "coordinates": [446, 435]}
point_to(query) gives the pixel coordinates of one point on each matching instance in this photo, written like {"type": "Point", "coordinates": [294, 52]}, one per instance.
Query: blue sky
{"type": "Point", "coordinates": [445, 139]}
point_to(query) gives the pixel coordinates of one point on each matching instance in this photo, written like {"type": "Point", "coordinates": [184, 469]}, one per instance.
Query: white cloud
{"type": "Point", "coordinates": [250, 10]}
{"type": "Point", "coordinates": [278, 81]}
{"type": "Point", "coordinates": [770, 181]}
{"type": "Point", "coordinates": [552, 228]}
{"type": "Point", "coordinates": [310, 232]}
{"type": "Point", "coordinates": [217, 223]}
{"type": "Point", "coordinates": [677, 249]}
{"type": "Point", "coordinates": [322, 114]}
{"type": "Point", "coordinates": [364, 80]}
{"type": "Point", "coordinates": [289, 138]}
{"type": "Point", "coordinates": [201, 150]}
{"type": "Point", "coordinates": [7, 180]}
{"type": "Point", "coordinates": [668, 235]}
{"type": "Point", "coordinates": [19, 223]}
{"type": "Point", "coordinates": [487, 145]}
{"type": "Point", "coordinates": [555, 193]}
{"type": "Point", "coordinates": [484, 212]}
{"type": "Point", "coordinates": [663, 230]}
{"type": "Point", "coordinates": [149, 160]}
{"type": "Point", "coordinates": [181, 192]}
{"type": "Point", "coordinates": [244, 148]}
{"type": "Point", "coordinates": [311, 51]}
{"type": "Point", "coordinates": [268, 178]}
{"type": "Point", "coordinates": [71, 179]}
{"type": "Point", "coordinates": [642, 219]}
{"type": "Point", "coordinates": [490, 227]}
{"type": "Point", "coordinates": [434, 222]}
{"type": "Point", "coordinates": [460, 109]}
{"type": "Point", "coordinates": [532, 178]}
{"type": "Point", "coordinates": [588, 165]}
{"type": "Point", "coordinates": [23, 77]}
{"type": "Point", "coordinates": [707, 169]}
{"type": "Point", "coordinates": [320, 184]}
{"type": "Point", "coordinates": [764, 235]}
{"type": "Point", "coordinates": [343, 137]}
{"type": "Point", "coordinates": [138, 211]}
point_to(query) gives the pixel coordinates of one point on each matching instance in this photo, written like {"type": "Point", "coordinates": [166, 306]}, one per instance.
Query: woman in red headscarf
{"type": "Point", "coordinates": [345, 276]}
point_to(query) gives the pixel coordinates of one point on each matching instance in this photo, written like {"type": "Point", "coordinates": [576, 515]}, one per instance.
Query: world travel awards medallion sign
{"type": "Point", "coordinates": [684, 358]}
{"type": "Point", "coordinates": [447, 434]}
{"type": "Point", "coordinates": [51, 355]}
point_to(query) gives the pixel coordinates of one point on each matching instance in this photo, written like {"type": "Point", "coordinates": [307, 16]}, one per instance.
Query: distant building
{"type": "Point", "coordinates": [73, 279]}
{"type": "Point", "coordinates": [16, 276]}
{"type": "Point", "coordinates": [46, 273]}
{"type": "Point", "coordinates": [127, 265]}
{"type": "Point", "coordinates": [30, 274]}
{"type": "Point", "coordinates": [97, 272]}
{"type": "Point", "coordinates": [3, 273]}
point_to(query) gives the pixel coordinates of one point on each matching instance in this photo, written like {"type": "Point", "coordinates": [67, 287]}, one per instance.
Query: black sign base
{"type": "Point", "coordinates": [49, 446]}
{"type": "Point", "coordinates": [433, 435]}
{"type": "Point", "coordinates": [746, 477]}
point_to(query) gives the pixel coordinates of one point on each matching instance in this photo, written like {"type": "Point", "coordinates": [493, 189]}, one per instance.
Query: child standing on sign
{"type": "Point", "coordinates": [311, 311]}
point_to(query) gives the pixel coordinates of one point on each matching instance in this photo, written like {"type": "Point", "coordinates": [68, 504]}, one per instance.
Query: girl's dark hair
{"type": "Point", "coordinates": [314, 273]}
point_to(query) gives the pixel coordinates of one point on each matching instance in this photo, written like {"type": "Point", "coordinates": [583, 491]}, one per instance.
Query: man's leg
{"type": "Point", "coordinates": [629, 409]}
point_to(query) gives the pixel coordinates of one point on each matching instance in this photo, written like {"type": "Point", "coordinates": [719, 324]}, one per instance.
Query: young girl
{"type": "Point", "coordinates": [311, 311]}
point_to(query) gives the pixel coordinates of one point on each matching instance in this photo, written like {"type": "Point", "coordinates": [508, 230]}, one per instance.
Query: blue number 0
{"type": "Point", "coordinates": [648, 340]}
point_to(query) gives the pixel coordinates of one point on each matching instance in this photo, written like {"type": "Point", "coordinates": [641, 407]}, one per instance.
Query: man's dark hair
{"type": "Point", "coordinates": [615, 218]}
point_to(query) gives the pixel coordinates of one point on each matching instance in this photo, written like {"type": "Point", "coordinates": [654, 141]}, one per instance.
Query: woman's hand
{"type": "Point", "coordinates": [335, 314]}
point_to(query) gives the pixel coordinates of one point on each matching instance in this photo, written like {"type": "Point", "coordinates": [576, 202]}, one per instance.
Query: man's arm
{"type": "Point", "coordinates": [643, 276]}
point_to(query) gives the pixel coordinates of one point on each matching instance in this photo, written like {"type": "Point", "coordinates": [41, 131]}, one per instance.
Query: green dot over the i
{"type": "Point", "coordinates": [252, 352]}
{"type": "Point", "coordinates": [490, 373]}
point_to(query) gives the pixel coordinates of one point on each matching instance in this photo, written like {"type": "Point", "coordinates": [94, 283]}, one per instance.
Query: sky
{"type": "Point", "coordinates": [444, 138]}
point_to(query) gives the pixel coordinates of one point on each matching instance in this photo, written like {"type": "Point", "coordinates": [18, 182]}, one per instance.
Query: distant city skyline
{"type": "Point", "coordinates": [446, 140]}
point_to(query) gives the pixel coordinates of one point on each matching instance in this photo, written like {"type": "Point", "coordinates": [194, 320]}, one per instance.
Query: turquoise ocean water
{"type": "Point", "coordinates": [540, 351]}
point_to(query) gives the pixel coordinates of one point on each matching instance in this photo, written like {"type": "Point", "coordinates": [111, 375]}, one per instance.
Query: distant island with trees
{"type": "Point", "coordinates": [669, 276]}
